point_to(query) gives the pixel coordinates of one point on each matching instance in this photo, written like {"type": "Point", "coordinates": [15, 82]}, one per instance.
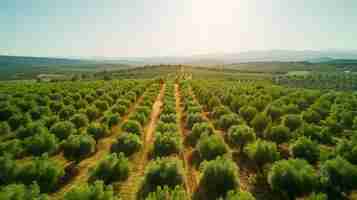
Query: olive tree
{"type": "Point", "coordinates": [293, 178]}
{"type": "Point", "coordinates": [127, 143]}
{"type": "Point", "coordinates": [240, 135]}
{"type": "Point", "coordinates": [218, 177]}
{"type": "Point", "coordinates": [114, 167]}
{"type": "Point", "coordinates": [306, 149]}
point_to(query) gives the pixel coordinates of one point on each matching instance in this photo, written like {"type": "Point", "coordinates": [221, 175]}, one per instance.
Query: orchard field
{"type": "Point", "coordinates": [177, 134]}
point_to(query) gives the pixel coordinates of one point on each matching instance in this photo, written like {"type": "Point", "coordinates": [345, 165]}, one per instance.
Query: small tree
{"type": "Point", "coordinates": [128, 144]}
{"type": "Point", "coordinates": [80, 120]}
{"type": "Point", "coordinates": [292, 177]}
{"type": "Point", "coordinates": [21, 191]}
{"type": "Point", "coordinates": [4, 128]}
{"type": "Point", "coordinates": [311, 116]}
{"type": "Point", "coordinates": [219, 177]}
{"type": "Point", "coordinates": [262, 152]}
{"type": "Point", "coordinates": [44, 171]}
{"type": "Point", "coordinates": [162, 172]}
{"type": "Point", "coordinates": [63, 129]}
{"type": "Point", "coordinates": [114, 167]}
{"type": "Point", "coordinates": [41, 143]}
{"type": "Point", "coordinates": [339, 176]}
{"type": "Point", "coordinates": [280, 134]}
{"type": "Point", "coordinates": [164, 193]}
{"type": "Point", "coordinates": [192, 119]}
{"type": "Point", "coordinates": [8, 170]}
{"type": "Point", "coordinates": [92, 113]}
{"type": "Point", "coordinates": [95, 191]}
{"type": "Point", "coordinates": [77, 147]}
{"type": "Point", "coordinates": [240, 135]}
{"type": "Point", "coordinates": [198, 130]}
{"type": "Point", "coordinates": [306, 149]}
{"type": "Point", "coordinates": [228, 120]}
{"type": "Point", "coordinates": [248, 113]}
{"type": "Point", "coordinates": [292, 121]}
{"type": "Point", "coordinates": [260, 122]}
{"type": "Point", "coordinates": [132, 126]}
{"type": "Point", "coordinates": [166, 144]}
{"type": "Point", "coordinates": [209, 147]}
{"type": "Point", "coordinates": [235, 195]}
{"type": "Point", "coordinates": [98, 130]}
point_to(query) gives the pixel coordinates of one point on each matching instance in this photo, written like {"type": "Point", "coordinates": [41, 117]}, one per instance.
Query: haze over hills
{"type": "Point", "coordinates": [218, 58]}
{"type": "Point", "coordinates": [243, 57]}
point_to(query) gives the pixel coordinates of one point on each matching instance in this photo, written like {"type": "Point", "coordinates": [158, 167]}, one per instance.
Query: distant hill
{"type": "Point", "coordinates": [21, 67]}
{"type": "Point", "coordinates": [243, 57]}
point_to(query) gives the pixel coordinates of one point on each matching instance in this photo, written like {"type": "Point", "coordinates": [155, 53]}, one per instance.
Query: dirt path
{"type": "Point", "coordinates": [186, 154]}
{"type": "Point", "coordinates": [130, 187]}
{"type": "Point", "coordinates": [103, 148]}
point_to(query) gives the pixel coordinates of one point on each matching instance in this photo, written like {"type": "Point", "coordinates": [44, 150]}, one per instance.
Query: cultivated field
{"type": "Point", "coordinates": [179, 133]}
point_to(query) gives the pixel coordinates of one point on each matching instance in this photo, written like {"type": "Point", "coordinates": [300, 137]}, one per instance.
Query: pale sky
{"type": "Point", "coordinates": [140, 28]}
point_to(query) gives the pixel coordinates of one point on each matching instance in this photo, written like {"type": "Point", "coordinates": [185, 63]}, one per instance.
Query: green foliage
{"type": "Point", "coordinates": [67, 112]}
{"type": "Point", "coordinates": [49, 121]}
{"type": "Point", "coordinates": [14, 147]}
{"type": "Point", "coordinates": [92, 113]}
{"type": "Point", "coordinates": [162, 172]}
{"type": "Point", "coordinates": [166, 144]}
{"type": "Point", "coordinates": [311, 116]}
{"type": "Point", "coordinates": [218, 177]}
{"type": "Point", "coordinates": [213, 102]}
{"type": "Point", "coordinates": [248, 113]}
{"type": "Point", "coordinates": [292, 121]}
{"type": "Point", "coordinates": [4, 128]}
{"type": "Point", "coordinates": [63, 129]}
{"type": "Point", "coordinates": [17, 120]}
{"type": "Point", "coordinates": [219, 111]}
{"type": "Point", "coordinates": [280, 134]}
{"type": "Point", "coordinates": [193, 119]}
{"type": "Point", "coordinates": [260, 122]}
{"type": "Point", "coordinates": [95, 191]}
{"type": "Point", "coordinates": [77, 147]}
{"type": "Point", "coordinates": [132, 126]}
{"type": "Point", "coordinates": [274, 112]}
{"type": "Point", "coordinates": [348, 150]}
{"type": "Point", "coordinates": [31, 129]}
{"type": "Point", "coordinates": [240, 135]}
{"type": "Point", "coordinates": [120, 109]}
{"type": "Point", "coordinates": [168, 118]}
{"type": "Point", "coordinates": [128, 143]}
{"type": "Point", "coordinates": [306, 149]}
{"type": "Point", "coordinates": [292, 177]}
{"type": "Point", "coordinates": [198, 130]}
{"type": "Point", "coordinates": [262, 152]}
{"type": "Point", "coordinates": [318, 196]}
{"type": "Point", "coordinates": [114, 167]}
{"type": "Point", "coordinates": [339, 175]}
{"type": "Point", "coordinates": [45, 172]}
{"type": "Point", "coordinates": [166, 193]}
{"type": "Point", "coordinates": [228, 120]}
{"type": "Point", "coordinates": [22, 192]}
{"type": "Point", "coordinates": [210, 147]}
{"type": "Point", "coordinates": [101, 105]}
{"type": "Point", "coordinates": [235, 195]}
{"type": "Point", "coordinates": [80, 120]}
{"type": "Point", "coordinates": [41, 143]}
{"type": "Point", "coordinates": [98, 130]}
{"type": "Point", "coordinates": [111, 119]}
{"type": "Point", "coordinates": [8, 170]}
{"type": "Point", "coordinates": [6, 112]}
{"type": "Point", "coordinates": [163, 127]}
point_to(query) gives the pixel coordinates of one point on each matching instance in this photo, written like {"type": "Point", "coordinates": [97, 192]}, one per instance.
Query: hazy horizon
{"type": "Point", "coordinates": [141, 28]}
